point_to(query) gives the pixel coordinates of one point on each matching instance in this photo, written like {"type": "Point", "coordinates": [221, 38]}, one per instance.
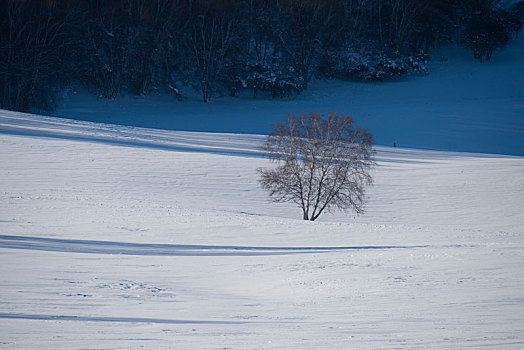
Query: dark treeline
{"type": "Point", "coordinates": [273, 47]}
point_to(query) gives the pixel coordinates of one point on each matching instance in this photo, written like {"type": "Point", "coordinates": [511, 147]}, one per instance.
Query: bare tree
{"type": "Point", "coordinates": [323, 163]}
{"type": "Point", "coordinates": [33, 49]}
{"type": "Point", "coordinates": [210, 39]}
{"type": "Point", "coordinates": [305, 30]}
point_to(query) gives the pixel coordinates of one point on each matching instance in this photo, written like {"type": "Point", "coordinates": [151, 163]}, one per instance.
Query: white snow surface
{"type": "Point", "coordinates": [117, 237]}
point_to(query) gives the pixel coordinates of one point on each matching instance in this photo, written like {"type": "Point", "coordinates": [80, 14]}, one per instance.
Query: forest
{"type": "Point", "coordinates": [270, 48]}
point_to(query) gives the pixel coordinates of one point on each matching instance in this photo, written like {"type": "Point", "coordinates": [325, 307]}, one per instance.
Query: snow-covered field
{"type": "Point", "coordinates": [114, 236]}
{"type": "Point", "coordinates": [117, 237]}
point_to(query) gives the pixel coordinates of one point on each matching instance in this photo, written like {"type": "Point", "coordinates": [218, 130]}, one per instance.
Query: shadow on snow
{"type": "Point", "coordinates": [110, 319]}
{"type": "Point", "coordinates": [122, 248]}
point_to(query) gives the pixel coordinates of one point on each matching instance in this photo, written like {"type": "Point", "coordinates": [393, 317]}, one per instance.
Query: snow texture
{"type": "Point", "coordinates": [120, 237]}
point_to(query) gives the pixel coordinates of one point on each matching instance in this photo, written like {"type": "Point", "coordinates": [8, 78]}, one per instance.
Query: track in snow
{"type": "Point", "coordinates": [106, 247]}
{"type": "Point", "coordinates": [110, 319]}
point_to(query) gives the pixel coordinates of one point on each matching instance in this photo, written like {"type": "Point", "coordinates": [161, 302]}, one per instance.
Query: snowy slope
{"type": "Point", "coordinates": [118, 237]}
{"type": "Point", "coordinates": [461, 105]}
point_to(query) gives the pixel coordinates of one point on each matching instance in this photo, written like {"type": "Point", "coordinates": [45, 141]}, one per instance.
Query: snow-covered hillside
{"type": "Point", "coordinates": [461, 105]}
{"type": "Point", "coordinates": [117, 237]}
